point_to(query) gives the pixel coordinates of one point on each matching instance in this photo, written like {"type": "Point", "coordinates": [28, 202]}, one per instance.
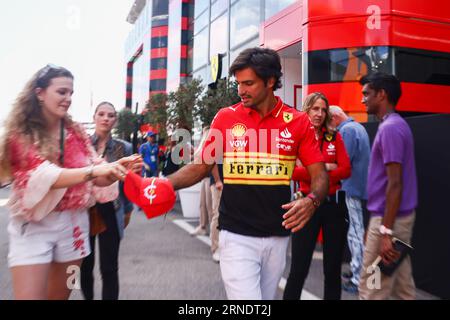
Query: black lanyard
{"type": "Point", "coordinates": [321, 137]}
{"type": "Point", "coordinates": [104, 151]}
{"type": "Point", "coordinates": [61, 143]}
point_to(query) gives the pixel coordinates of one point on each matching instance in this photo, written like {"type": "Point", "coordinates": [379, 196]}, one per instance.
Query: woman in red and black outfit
{"type": "Point", "coordinates": [330, 216]}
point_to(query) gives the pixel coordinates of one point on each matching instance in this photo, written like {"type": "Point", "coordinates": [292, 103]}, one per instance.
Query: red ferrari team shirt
{"type": "Point", "coordinates": [258, 156]}
{"type": "Point", "coordinates": [333, 151]}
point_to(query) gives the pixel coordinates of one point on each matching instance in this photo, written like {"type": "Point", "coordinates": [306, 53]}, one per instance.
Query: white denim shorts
{"type": "Point", "coordinates": [61, 236]}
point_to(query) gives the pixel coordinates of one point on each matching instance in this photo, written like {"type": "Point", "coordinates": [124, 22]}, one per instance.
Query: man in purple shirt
{"type": "Point", "coordinates": [391, 191]}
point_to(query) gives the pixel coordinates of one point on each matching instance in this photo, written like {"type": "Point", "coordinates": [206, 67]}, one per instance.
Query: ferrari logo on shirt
{"type": "Point", "coordinates": [288, 116]}
{"type": "Point", "coordinates": [328, 137]}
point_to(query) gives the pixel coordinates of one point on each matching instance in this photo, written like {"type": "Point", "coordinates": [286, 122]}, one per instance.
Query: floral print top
{"type": "Point", "coordinates": [26, 162]}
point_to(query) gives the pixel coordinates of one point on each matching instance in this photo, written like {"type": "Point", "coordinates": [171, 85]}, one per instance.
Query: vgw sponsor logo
{"type": "Point", "coordinates": [238, 145]}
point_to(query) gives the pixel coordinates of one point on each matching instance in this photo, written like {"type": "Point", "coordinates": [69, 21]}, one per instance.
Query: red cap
{"type": "Point", "coordinates": [153, 195]}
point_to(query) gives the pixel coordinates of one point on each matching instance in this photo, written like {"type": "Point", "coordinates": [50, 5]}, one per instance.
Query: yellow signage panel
{"type": "Point", "coordinates": [216, 67]}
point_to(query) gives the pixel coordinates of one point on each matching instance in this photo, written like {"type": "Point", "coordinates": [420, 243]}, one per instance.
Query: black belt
{"type": "Point", "coordinates": [337, 198]}
{"type": "Point", "coordinates": [330, 199]}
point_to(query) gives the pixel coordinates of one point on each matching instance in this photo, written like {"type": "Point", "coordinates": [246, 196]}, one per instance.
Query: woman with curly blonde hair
{"type": "Point", "coordinates": [51, 162]}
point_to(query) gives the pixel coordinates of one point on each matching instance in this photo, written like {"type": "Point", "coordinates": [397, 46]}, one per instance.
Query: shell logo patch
{"type": "Point", "coordinates": [238, 130]}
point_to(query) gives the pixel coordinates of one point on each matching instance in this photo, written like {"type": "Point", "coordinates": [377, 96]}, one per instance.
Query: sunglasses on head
{"type": "Point", "coordinates": [46, 70]}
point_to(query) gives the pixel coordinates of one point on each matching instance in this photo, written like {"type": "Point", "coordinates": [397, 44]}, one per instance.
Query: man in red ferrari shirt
{"type": "Point", "coordinates": [258, 140]}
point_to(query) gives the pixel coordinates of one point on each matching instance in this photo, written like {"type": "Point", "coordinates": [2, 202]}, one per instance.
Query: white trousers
{"type": "Point", "coordinates": [251, 267]}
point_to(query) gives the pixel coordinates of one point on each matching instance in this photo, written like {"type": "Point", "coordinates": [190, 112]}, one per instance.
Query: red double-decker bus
{"type": "Point", "coordinates": [347, 39]}
{"type": "Point", "coordinates": [339, 41]}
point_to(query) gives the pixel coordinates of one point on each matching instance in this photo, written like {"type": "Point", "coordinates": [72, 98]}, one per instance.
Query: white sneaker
{"type": "Point", "coordinates": [199, 231]}
{"type": "Point", "coordinates": [216, 256]}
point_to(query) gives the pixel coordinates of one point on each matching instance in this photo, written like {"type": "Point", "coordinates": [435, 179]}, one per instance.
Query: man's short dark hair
{"type": "Point", "coordinates": [264, 62]}
{"type": "Point", "coordinates": [388, 82]}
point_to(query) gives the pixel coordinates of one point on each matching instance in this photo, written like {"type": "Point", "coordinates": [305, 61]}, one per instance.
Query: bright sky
{"type": "Point", "coordinates": [85, 36]}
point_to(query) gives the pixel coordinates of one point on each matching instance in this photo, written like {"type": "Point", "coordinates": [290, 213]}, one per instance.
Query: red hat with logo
{"type": "Point", "coordinates": [153, 195]}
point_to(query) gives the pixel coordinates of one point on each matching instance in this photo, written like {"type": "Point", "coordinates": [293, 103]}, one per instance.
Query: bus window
{"type": "Point", "coordinates": [429, 67]}
{"type": "Point", "coordinates": [346, 64]}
